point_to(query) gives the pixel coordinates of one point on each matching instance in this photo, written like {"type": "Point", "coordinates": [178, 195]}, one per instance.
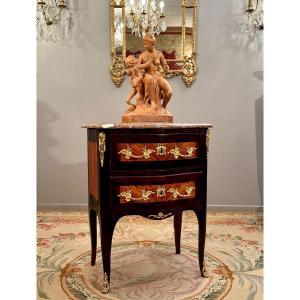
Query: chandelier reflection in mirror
{"type": "Point", "coordinates": [119, 27]}
{"type": "Point", "coordinates": [253, 23]}
{"type": "Point", "coordinates": [146, 16]}
{"type": "Point", "coordinates": [54, 22]}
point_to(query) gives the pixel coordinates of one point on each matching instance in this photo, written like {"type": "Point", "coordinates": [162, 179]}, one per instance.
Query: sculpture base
{"type": "Point", "coordinates": [147, 118]}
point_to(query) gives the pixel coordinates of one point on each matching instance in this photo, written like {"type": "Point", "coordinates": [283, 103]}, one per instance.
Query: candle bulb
{"type": "Point", "coordinates": [162, 5]}
{"type": "Point", "coordinates": [250, 4]}
{"type": "Point", "coordinates": [250, 8]}
{"type": "Point", "coordinates": [131, 6]}
{"type": "Point", "coordinates": [143, 7]}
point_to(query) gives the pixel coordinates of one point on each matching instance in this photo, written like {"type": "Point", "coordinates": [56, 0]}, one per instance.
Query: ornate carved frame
{"type": "Point", "coordinates": [189, 69]}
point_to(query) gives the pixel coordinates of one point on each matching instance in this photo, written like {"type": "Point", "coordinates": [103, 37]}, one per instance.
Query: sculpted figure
{"type": "Point", "coordinates": [152, 90]}
{"type": "Point", "coordinates": [136, 81]}
{"type": "Point", "coordinates": [155, 84]}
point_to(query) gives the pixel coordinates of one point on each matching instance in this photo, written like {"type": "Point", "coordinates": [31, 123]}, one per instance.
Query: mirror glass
{"type": "Point", "coordinates": [119, 27]}
{"type": "Point", "coordinates": [168, 42]}
{"type": "Point", "coordinates": [188, 49]}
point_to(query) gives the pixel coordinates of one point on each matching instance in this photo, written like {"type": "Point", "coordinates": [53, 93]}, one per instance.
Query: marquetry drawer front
{"type": "Point", "coordinates": [133, 152]}
{"type": "Point", "coordinates": [157, 151]}
{"type": "Point", "coordinates": [157, 193]}
{"type": "Point", "coordinates": [136, 194]}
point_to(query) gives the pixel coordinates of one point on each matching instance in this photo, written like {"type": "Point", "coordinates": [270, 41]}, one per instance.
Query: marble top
{"type": "Point", "coordinates": [146, 125]}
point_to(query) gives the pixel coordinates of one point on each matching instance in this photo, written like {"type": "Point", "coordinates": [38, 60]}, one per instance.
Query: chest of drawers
{"type": "Point", "coordinates": [153, 170]}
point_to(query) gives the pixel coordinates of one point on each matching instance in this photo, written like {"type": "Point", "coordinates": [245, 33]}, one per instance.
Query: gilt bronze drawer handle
{"type": "Point", "coordinates": [128, 153]}
{"type": "Point", "coordinates": [207, 142]}
{"type": "Point", "coordinates": [160, 192]}
{"type": "Point", "coordinates": [176, 193]}
{"type": "Point", "coordinates": [176, 152]}
{"type": "Point", "coordinates": [160, 216]}
{"type": "Point", "coordinates": [161, 150]}
{"type": "Point", "coordinates": [101, 147]}
{"type": "Point", "coordinates": [128, 195]}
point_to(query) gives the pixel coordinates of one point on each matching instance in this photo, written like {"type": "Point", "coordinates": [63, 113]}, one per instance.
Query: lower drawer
{"type": "Point", "coordinates": [157, 192]}
{"type": "Point", "coordinates": [152, 192]}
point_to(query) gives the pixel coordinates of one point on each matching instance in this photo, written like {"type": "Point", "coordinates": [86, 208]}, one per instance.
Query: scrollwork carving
{"type": "Point", "coordinates": [189, 69]}
{"type": "Point", "coordinates": [160, 216]}
{"type": "Point", "coordinates": [161, 150]}
{"type": "Point", "coordinates": [176, 193]}
{"type": "Point", "coordinates": [117, 70]}
{"type": "Point", "coordinates": [176, 152]}
{"type": "Point", "coordinates": [128, 195]}
{"type": "Point", "coordinates": [207, 142]}
{"type": "Point", "coordinates": [128, 153]}
{"type": "Point", "coordinates": [102, 147]}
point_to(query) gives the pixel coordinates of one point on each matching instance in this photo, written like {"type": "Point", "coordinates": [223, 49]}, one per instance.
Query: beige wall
{"type": "Point", "coordinates": [74, 87]}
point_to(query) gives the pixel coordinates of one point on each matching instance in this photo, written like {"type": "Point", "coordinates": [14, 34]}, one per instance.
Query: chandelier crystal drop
{"type": "Point", "coordinates": [146, 16]}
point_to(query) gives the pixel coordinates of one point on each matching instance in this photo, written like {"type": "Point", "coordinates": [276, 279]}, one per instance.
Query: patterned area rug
{"type": "Point", "coordinates": [144, 264]}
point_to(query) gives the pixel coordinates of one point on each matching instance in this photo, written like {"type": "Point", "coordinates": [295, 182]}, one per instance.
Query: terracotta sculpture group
{"type": "Point", "coordinates": [150, 89]}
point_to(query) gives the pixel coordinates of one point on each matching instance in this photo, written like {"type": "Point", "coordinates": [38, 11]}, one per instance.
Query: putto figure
{"type": "Point", "coordinates": [136, 81]}
{"type": "Point", "coordinates": [152, 90]}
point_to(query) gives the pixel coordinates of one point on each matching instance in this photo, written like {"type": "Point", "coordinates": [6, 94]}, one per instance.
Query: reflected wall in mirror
{"type": "Point", "coordinates": [173, 23]}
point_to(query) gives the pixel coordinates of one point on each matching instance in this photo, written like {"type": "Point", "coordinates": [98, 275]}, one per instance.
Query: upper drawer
{"type": "Point", "coordinates": [142, 151]}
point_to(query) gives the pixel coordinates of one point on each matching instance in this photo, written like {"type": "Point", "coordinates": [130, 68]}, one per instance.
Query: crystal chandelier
{"type": "Point", "coordinates": [145, 17]}
{"type": "Point", "coordinates": [254, 19]}
{"type": "Point", "coordinates": [53, 21]}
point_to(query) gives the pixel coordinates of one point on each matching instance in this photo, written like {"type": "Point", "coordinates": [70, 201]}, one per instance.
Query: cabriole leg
{"type": "Point", "coordinates": [107, 229]}
{"type": "Point", "coordinates": [201, 216]}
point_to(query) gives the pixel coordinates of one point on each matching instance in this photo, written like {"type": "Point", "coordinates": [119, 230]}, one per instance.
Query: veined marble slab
{"type": "Point", "coordinates": [146, 125]}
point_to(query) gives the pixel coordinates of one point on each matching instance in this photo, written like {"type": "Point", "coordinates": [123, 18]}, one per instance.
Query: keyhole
{"type": "Point", "coordinates": [161, 192]}
{"type": "Point", "coordinates": [161, 150]}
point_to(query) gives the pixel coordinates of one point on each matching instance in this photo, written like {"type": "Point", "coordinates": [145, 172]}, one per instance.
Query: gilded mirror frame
{"type": "Point", "coordinates": [189, 69]}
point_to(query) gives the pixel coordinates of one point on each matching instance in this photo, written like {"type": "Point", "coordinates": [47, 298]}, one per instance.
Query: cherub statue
{"type": "Point", "coordinates": [136, 81]}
